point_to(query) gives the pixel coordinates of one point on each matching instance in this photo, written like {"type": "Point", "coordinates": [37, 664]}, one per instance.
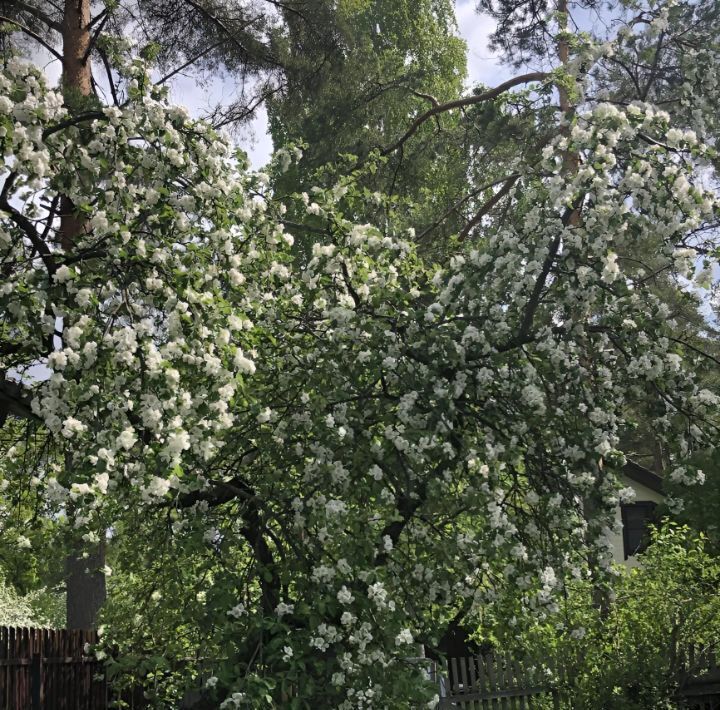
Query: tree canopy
{"type": "Point", "coordinates": [347, 448]}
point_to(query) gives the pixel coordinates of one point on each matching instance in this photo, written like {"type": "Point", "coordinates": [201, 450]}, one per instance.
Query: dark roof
{"type": "Point", "coordinates": [646, 477]}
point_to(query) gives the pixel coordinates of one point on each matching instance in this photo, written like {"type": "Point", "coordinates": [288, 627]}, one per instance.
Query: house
{"type": "Point", "coordinates": [633, 518]}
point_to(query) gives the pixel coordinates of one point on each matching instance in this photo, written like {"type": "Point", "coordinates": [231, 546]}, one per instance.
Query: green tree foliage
{"type": "Point", "coordinates": [634, 652]}
{"type": "Point", "coordinates": [350, 447]}
{"type": "Point", "coordinates": [391, 62]}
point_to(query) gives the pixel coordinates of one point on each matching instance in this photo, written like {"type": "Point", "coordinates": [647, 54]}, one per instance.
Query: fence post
{"type": "Point", "coordinates": [556, 699]}
{"type": "Point", "coordinates": [36, 681]}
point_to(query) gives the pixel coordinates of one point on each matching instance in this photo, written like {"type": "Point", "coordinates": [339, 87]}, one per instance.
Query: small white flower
{"type": "Point", "coordinates": [238, 611]}
{"type": "Point", "coordinates": [102, 480]}
{"type": "Point", "coordinates": [264, 416]}
{"type": "Point", "coordinates": [282, 609]}
{"type": "Point", "coordinates": [611, 270]}
{"type": "Point", "coordinates": [126, 440]}
{"type": "Point", "coordinates": [157, 488]}
{"type": "Point", "coordinates": [64, 273]}
{"type": "Point", "coordinates": [177, 442]}
{"type": "Point", "coordinates": [404, 637]}
{"type": "Point", "coordinates": [57, 360]}
{"type": "Point", "coordinates": [344, 596]}
{"type": "Point", "coordinates": [626, 495]}
{"type": "Point", "coordinates": [72, 426]}
{"type": "Point", "coordinates": [83, 296]}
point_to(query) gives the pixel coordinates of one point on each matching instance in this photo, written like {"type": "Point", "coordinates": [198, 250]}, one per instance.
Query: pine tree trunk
{"type": "Point", "coordinates": [85, 582]}
{"type": "Point", "coordinates": [85, 585]}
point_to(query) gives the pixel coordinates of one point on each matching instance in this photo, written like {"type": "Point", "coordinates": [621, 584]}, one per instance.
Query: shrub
{"type": "Point", "coordinates": [629, 649]}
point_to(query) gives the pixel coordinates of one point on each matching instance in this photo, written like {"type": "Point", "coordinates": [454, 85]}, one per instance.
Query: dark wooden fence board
{"type": "Point", "coordinates": [47, 669]}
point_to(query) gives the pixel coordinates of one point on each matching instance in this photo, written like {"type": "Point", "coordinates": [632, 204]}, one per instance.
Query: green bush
{"type": "Point", "coordinates": [628, 650]}
{"type": "Point", "coordinates": [42, 607]}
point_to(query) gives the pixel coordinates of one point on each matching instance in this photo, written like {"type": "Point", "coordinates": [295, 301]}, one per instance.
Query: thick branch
{"type": "Point", "coordinates": [28, 229]}
{"type": "Point", "coordinates": [14, 400]}
{"type": "Point", "coordinates": [407, 507]}
{"type": "Point", "coordinates": [461, 103]}
{"type": "Point", "coordinates": [254, 531]}
{"type": "Point", "coordinates": [108, 73]}
{"type": "Point", "coordinates": [526, 323]}
{"type": "Point", "coordinates": [96, 35]}
{"type": "Point", "coordinates": [90, 116]}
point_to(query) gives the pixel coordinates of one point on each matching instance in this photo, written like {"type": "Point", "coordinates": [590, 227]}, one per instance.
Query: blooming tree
{"type": "Point", "coordinates": [377, 444]}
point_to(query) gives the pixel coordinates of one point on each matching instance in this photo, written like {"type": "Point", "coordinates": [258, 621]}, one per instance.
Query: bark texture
{"type": "Point", "coordinates": [85, 585]}
{"type": "Point", "coordinates": [85, 582]}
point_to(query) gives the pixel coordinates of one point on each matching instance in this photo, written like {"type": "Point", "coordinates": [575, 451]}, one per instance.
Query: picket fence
{"type": "Point", "coordinates": [499, 681]}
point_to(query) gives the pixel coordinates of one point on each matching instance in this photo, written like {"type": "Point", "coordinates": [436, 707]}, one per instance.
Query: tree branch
{"type": "Point", "coordinates": [407, 507]}
{"type": "Point", "coordinates": [253, 531]}
{"type": "Point", "coordinates": [99, 17]}
{"type": "Point", "coordinates": [108, 72]}
{"type": "Point", "coordinates": [38, 14]}
{"type": "Point", "coordinates": [96, 35]}
{"type": "Point", "coordinates": [509, 182]}
{"type": "Point", "coordinates": [218, 23]}
{"type": "Point", "coordinates": [457, 205]}
{"type": "Point", "coordinates": [460, 103]}
{"type": "Point", "coordinates": [190, 61]}
{"type": "Point", "coordinates": [27, 227]}
{"type": "Point", "coordinates": [32, 34]}
{"type": "Point", "coordinates": [91, 116]}
{"type": "Point", "coordinates": [534, 301]}
{"type": "Point", "coordinates": [14, 400]}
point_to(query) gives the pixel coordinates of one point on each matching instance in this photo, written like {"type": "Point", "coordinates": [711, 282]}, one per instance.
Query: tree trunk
{"type": "Point", "coordinates": [77, 76]}
{"type": "Point", "coordinates": [77, 84]}
{"type": "Point", "coordinates": [85, 582]}
{"type": "Point", "coordinates": [85, 585]}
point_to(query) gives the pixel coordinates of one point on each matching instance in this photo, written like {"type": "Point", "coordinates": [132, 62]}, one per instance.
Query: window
{"type": "Point", "coordinates": [636, 517]}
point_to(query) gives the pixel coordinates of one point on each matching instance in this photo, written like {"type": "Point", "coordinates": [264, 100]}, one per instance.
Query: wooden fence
{"type": "Point", "coordinates": [499, 682]}
{"type": "Point", "coordinates": [44, 669]}
{"type": "Point", "coordinates": [47, 669]}
{"type": "Point", "coordinates": [502, 682]}
{"type": "Point", "coordinates": [700, 680]}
